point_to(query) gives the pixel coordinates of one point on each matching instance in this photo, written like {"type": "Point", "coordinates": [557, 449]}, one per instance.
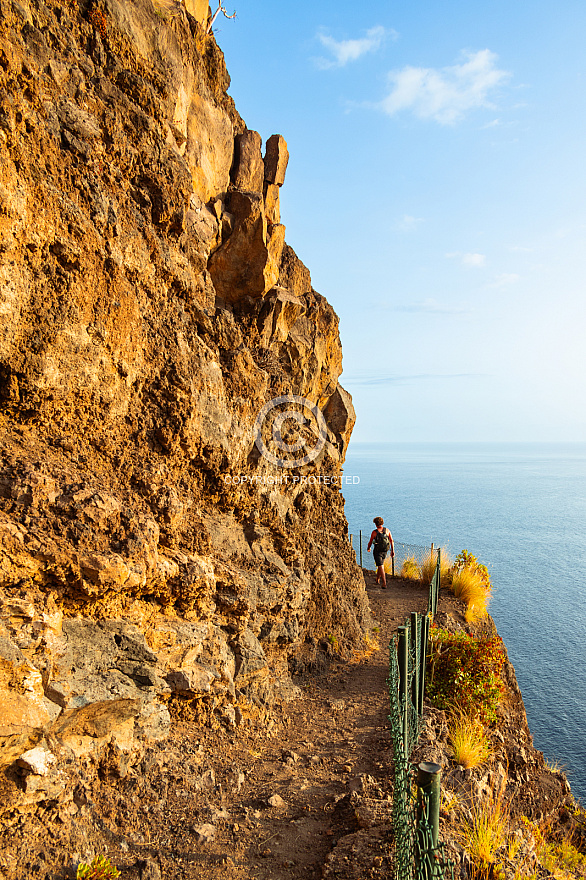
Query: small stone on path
{"type": "Point", "coordinates": [204, 833]}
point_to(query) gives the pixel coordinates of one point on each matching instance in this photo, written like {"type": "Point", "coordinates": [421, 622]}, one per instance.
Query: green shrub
{"type": "Point", "coordinates": [464, 673]}
{"type": "Point", "coordinates": [100, 868]}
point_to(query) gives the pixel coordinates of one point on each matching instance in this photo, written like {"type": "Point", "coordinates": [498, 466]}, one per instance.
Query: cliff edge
{"type": "Point", "coordinates": [156, 561]}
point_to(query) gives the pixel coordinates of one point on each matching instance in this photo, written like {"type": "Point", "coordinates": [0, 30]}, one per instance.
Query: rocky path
{"type": "Point", "coordinates": [306, 796]}
{"type": "Point", "coordinates": [302, 797]}
{"type": "Point", "coordinates": [308, 799]}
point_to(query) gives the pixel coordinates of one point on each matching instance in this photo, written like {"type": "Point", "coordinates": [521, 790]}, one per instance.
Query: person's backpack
{"type": "Point", "coordinates": [382, 541]}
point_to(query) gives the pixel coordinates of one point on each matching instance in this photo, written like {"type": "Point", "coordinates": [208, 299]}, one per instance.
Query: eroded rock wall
{"type": "Point", "coordinates": [151, 558]}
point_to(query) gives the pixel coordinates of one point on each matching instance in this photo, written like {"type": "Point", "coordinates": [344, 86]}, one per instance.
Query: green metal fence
{"type": "Point", "coordinates": [419, 855]}
{"type": "Point", "coordinates": [434, 587]}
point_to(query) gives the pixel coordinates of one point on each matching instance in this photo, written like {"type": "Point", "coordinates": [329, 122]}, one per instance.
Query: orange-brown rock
{"type": "Point", "coordinates": [199, 9]}
{"type": "Point", "coordinates": [152, 555]}
{"type": "Point", "coordinates": [276, 160]}
{"type": "Point", "coordinates": [249, 167]}
{"type": "Point", "coordinates": [293, 275]}
{"type": "Point", "coordinates": [272, 205]}
{"type": "Point", "coordinates": [340, 415]}
{"type": "Point", "coordinates": [247, 264]}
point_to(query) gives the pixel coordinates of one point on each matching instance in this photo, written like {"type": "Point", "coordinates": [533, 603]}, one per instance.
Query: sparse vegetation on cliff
{"type": "Point", "coordinates": [100, 868]}
{"type": "Point", "coordinates": [470, 581]}
{"type": "Point", "coordinates": [465, 673]}
{"type": "Point", "coordinates": [410, 569]}
{"type": "Point", "coordinates": [467, 578]}
{"type": "Point", "coordinates": [506, 814]}
{"type": "Point", "coordinates": [469, 740]}
{"type": "Point", "coordinates": [221, 8]}
{"type": "Point", "coordinates": [429, 565]}
{"type": "Point", "coordinates": [483, 833]}
{"type": "Point", "coordinates": [560, 857]}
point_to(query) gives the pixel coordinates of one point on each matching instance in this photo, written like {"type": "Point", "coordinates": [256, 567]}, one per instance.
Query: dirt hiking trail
{"type": "Point", "coordinates": [308, 798]}
{"type": "Point", "coordinates": [307, 795]}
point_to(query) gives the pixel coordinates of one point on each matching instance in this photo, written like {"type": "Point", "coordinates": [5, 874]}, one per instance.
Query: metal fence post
{"type": "Point", "coordinates": [423, 660]}
{"type": "Point", "coordinates": [415, 648]}
{"type": "Point", "coordinates": [403, 657]}
{"type": "Point", "coordinates": [429, 781]}
{"type": "Point", "coordinates": [431, 600]}
{"type": "Point", "coordinates": [360, 548]}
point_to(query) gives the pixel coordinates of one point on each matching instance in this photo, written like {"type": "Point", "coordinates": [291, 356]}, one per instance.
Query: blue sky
{"type": "Point", "coordinates": [436, 190]}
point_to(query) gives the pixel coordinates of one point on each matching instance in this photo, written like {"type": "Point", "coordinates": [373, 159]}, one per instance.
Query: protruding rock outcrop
{"type": "Point", "coordinates": [248, 261]}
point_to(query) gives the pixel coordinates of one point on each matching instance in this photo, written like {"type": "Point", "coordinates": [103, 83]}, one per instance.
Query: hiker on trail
{"type": "Point", "coordinates": [383, 542]}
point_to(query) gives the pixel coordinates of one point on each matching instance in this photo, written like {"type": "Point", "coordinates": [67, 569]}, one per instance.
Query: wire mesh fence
{"type": "Point", "coordinates": [409, 559]}
{"type": "Point", "coordinates": [419, 855]}
{"type": "Point", "coordinates": [404, 827]}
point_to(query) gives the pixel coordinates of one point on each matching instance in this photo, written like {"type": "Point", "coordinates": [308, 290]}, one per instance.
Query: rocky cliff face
{"type": "Point", "coordinates": [154, 559]}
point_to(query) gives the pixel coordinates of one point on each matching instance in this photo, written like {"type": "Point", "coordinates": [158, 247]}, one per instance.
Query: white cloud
{"type": "Point", "coordinates": [448, 93]}
{"type": "Point", "coordinates": [345, 51]}
{"type": "Point", "coordinates": [407, 223]}
{"type": "Point", "coordinates": [474, 261]}
{"type": "Point", "coordinates": [505, 279]}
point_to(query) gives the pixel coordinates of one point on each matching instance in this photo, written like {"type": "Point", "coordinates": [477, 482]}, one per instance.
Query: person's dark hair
{"type": "Point", "coordinates": [378, 521]}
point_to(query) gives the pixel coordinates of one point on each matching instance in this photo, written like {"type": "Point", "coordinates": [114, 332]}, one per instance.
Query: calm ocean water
{"type": "Point", "coordinates": [521, 509]}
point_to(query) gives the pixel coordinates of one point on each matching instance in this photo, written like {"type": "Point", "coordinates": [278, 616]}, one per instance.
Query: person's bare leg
{"type": "Point", "coordinates": [381, 575]}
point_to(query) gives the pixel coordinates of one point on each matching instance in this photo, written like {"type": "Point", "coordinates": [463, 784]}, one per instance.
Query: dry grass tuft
{"type": "Point", "coordinates": [554, 766]}
{"type": "Point", "coordinates": [446, 564]}
{"type": "Point", "coordinates": [514, 845]}
{"type": "Point", "coordinates": [428, 567]}
{"type": "Point", "coordinates": [469, 586]}
{"type": "Point", "coordinates": [410, 569]}
{"type": "Point", "coordinates": [370, 646]}
{"type": "Point", "coordinates": [483, 834]}
{"type": "Point", "coordinates": [468, 739]}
